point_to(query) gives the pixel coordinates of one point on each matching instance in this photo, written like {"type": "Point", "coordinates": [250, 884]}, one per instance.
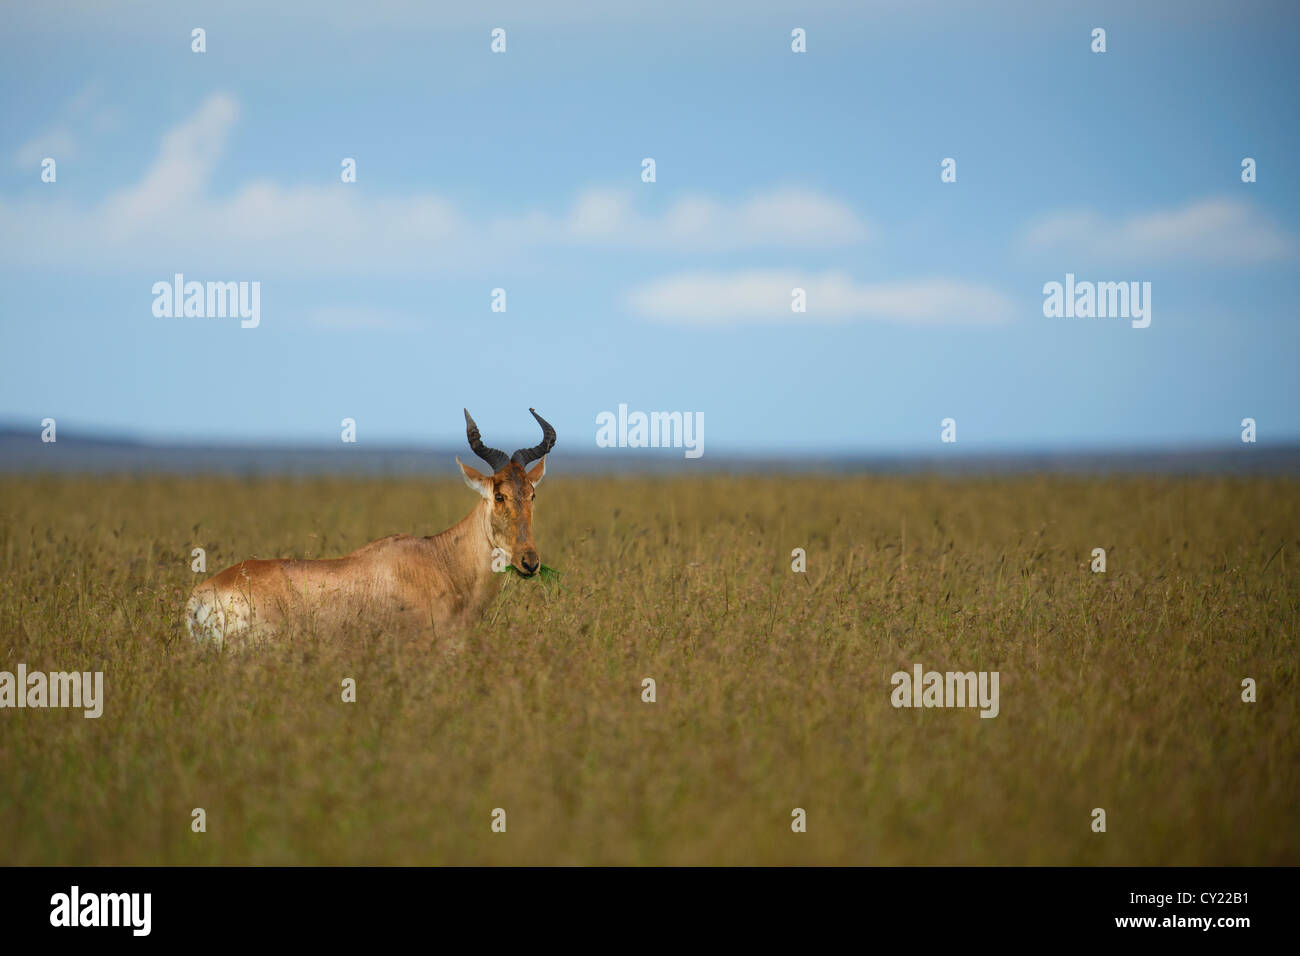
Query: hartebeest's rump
{"type": "Point", "coordinates": [420, 583]}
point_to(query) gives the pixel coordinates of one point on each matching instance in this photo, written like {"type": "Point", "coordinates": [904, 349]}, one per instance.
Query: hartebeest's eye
{"type": "Point", "coordinates": [501, 497]}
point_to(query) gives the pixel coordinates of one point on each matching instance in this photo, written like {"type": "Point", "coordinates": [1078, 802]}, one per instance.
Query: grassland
{"type": "Point", "coordinates": [1118, 690]}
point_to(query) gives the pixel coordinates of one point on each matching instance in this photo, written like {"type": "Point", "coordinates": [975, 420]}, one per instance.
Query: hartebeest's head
{"type": "Point", "coordinates": [509, 491]}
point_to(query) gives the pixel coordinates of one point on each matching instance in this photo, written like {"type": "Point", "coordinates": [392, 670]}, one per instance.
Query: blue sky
{"type": "Point", "coordinates": [522, 171]}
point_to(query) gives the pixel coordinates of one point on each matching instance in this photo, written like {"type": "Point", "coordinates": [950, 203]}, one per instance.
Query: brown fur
{"type": "Point", "coordinates": [419, 585]}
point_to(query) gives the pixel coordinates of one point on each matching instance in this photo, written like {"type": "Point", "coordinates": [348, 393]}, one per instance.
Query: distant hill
{"type": "Point", "coordinates": [24, 452]}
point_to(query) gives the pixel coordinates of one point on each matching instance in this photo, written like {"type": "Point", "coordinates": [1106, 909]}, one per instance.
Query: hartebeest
{"type": "Point", "coordinates": [418, 583]}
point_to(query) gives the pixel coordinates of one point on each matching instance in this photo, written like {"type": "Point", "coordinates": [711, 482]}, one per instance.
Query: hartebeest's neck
{"type": "Point", "coordinates": [464, 555]}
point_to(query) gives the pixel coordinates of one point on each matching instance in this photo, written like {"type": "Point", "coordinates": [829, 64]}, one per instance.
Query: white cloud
{"type": "Point", "coordinates": [764, 296]}
{"type": "Point", "coordinates": [361, 317]}
{"type": "Point", "coordinates": [179, 174]}
{"type": "Point", "coordinates": [57, 142]}
{"type": "Point", "coordinates": [787, 218]}
{"type": "Point", "coordinates": [170, 218]}
{"type": "Point", "coordinates": [1206, 230]}
{"type": "Point", "coordinates": [83, 112]}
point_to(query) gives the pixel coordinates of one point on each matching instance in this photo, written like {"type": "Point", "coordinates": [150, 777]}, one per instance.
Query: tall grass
{"type": "Point", "coordinates": [1119, 690]}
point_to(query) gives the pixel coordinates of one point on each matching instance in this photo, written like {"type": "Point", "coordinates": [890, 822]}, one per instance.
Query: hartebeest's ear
{"type": "Point", "coordinates": [480, 483]}
{"type": "Point", "coordinates": [537, 472]}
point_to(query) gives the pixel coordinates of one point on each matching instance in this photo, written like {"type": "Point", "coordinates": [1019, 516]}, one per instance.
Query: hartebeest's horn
{"type": "Point", "coordinates": [524, 455]}
{"type": "Point", "coordinates": [493, 456]}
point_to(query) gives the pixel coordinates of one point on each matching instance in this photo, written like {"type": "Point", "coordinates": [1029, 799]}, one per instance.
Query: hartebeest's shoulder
{"type": "Point", "coordinates": [421, 583]}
